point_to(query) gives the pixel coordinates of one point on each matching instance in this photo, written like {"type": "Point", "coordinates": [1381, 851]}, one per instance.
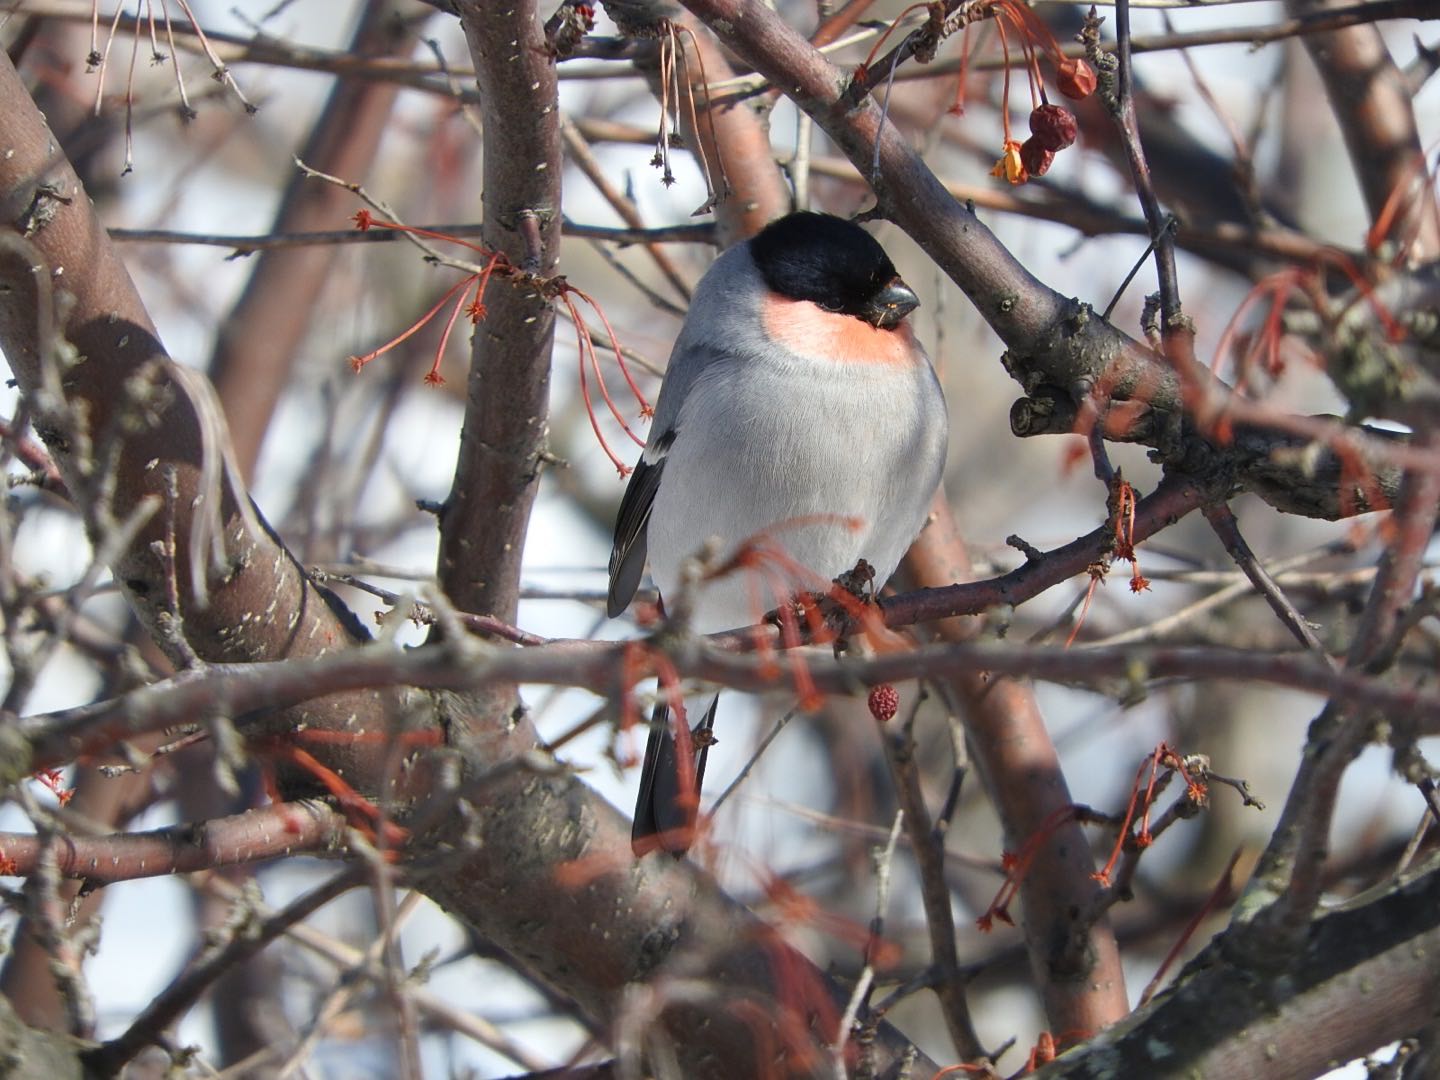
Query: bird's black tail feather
{"type": "Point", "coordinates": [667, 808]}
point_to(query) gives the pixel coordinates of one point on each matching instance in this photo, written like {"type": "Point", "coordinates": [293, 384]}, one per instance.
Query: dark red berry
{"type": "Point", "coordinates": [884, 702]}
{"type": "Point", "coordinates": [1035, 157]}
{"type": "Point", "coordinates": [1053, 126]}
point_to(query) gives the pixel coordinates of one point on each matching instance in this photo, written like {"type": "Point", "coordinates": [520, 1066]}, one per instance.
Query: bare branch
{"type": "Point", "coordinates": [253, 836]}
{"type": "Point", "coordinates": [1361, 978]}
{"type": "Point", "coordinates": [246, 940]}
{"type": "Point", "coordinates": [483, 524]}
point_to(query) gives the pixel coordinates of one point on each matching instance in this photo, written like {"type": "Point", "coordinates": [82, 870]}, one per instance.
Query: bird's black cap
{"type": "Point", "coordinates": [830, 262]}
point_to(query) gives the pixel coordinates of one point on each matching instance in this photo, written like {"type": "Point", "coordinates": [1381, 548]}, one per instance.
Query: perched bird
{"type": "Point", "coordinates": [798, 407]}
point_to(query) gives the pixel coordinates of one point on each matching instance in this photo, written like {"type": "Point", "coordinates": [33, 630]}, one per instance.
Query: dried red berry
{"type": "Point", "coordinates": [1076, 79]}
{"type": "Point", "coordinates": [884, 702]}
{"type": "Point", "coordinates": [1035, 157]}
{"type": "Point", "coordinates": [1053, 126]}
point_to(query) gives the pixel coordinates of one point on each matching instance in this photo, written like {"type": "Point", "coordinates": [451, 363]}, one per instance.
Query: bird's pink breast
{"type": "Point", "coordinates": [810, 331]}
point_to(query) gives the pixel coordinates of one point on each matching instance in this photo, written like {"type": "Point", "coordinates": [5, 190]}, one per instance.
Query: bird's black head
{"type": "Point", "coordinates": [833, 263]}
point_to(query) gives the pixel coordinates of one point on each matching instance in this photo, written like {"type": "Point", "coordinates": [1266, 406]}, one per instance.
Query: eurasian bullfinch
{"type": "Point", "coordinates": [797, 407]}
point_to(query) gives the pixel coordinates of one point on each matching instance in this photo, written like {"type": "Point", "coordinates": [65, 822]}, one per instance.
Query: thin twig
{"type": "Point", "coordinates": [860, 995]}
{"type": "Point", "coordinates": [928, 846]}
{"type": "Point", "coordinates": [351, 959]}
{"type": "Point", "coordinates": [1174, 331]}
{"type": "Point", "coordinates": [1227, 528]}
{"type": "Point", "coordinates": [1298, 848]}
{"type": "Point", "coordinates": [754, 758]}
{"type": "Point", "coordinates": [247, 244]}
{"type": "Point", "coordinates": [172, 1002]}
{"type": "Point", "coordinates": [50, 919]}
{"type": "Point", "coordinates": [1223, 888]}
{"type": "Point", "coordinates": [1232, 589]}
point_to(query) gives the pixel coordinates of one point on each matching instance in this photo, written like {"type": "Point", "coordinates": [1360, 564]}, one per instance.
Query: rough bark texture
{"type": "Point", "coordinates": [483, 526]}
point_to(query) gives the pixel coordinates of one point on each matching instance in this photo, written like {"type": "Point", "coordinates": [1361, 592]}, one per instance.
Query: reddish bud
{"type": "Point", "coordinates": [1053, 127]}
{"type": "Point", "coordinates": [1075, 78]}
{"type": "Point", "coordinates": [1035, 157]}
{"type": "Point", "coordinates": [884, 702]}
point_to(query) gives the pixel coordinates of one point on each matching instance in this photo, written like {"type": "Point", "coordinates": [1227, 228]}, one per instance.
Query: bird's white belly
{"type": "Point", "coordinates": [818, 483]}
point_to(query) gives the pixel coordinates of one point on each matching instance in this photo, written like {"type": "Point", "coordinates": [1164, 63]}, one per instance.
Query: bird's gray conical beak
{"type": "Point", "coordinates": [891, 304]}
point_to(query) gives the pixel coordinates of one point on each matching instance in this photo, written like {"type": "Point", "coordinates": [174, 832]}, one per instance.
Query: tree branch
{"type": "Point", "coordinates": [254, 836]}
{"type": "Point", "coordinates": [485, 517]}
{"type": "Point", "coordinates": [1364, 976]}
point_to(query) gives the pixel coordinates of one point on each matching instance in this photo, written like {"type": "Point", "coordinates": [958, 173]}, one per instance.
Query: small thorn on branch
{"type": "Point", "coordinates": [528, 226]}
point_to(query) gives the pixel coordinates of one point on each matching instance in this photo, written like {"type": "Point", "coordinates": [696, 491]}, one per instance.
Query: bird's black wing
{"type": "Point", "coordinates": [627, 557]}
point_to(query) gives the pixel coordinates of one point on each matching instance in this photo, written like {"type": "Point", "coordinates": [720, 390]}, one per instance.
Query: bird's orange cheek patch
{"type": "Point", "coordinates": [810, 331]}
